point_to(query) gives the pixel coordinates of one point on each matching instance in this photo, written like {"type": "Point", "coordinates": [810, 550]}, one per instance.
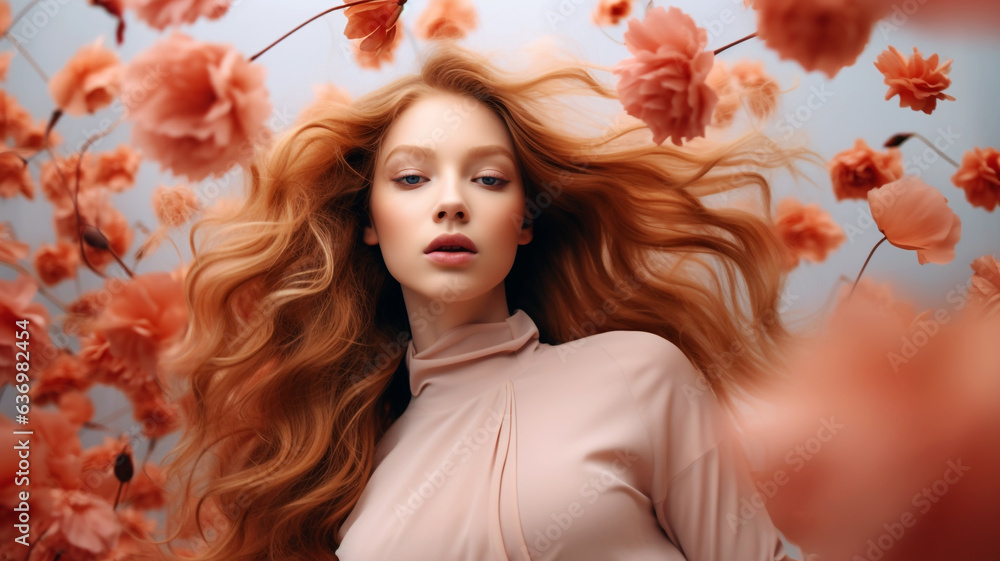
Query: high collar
{"type": "Point", "coordinates": [469, 358]}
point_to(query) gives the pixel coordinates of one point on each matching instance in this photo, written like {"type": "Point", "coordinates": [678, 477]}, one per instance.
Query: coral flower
{"type": "Point", "coordinates": [373, 60]}
{"type": "Point", "coordinates": [446, 19]}
{"type": "Point", "coordinates": [59, 179]}
{"type": "Point", "coordinates": [665, 83]}
{"type": "Point", "coordinates": [56, 263]}
{"type": "Point", "coordinates": [142, 317]}
{"type": "Point", "coordinates": [374, 23]}
{"type": "Point", "coordinates": [83, 521]}
{"type": "Point", "coordinates": [914, 215]}
{"type": "Point", "coordinates": [116, 169]}
{"type": "Point", "coordinates": [856, 171]}
{"type": "Point", "coordinates": [163, 13]}
{"type": "Point", "coordinates": [207, 110]}
{"type": "Point", "coordinates": [919, 83]}
{"type": "Point", "coordinates": [808, 231]}
{"type": "Point", "coordinates": [979, 176]}
{"type": "Point", "coordinates": [824, 35]}
{"type": "Point", "coordinates": [611, 12]}
{"type": "Point", "coordinates": [174, 206]}
{"type": "Point", "coordinates": [720, 79]}
{"type": "Point", "coordinates": [760, 91]}
{"type": "Point", "coordinates": [15, 178]}
{"type": "Point", "coordinates": [91, 80]}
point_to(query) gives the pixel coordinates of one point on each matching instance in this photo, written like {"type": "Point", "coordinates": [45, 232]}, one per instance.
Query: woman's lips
{"type": "Point", "coordinates": [451, 257]}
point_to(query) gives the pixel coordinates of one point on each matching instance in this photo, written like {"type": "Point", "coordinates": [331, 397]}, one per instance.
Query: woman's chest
{"type": "Point", "coordinates": [542, 467]}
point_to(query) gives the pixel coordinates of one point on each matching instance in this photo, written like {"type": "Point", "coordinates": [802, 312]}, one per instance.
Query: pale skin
{"type": "Point", "coordinates": [449, 188]}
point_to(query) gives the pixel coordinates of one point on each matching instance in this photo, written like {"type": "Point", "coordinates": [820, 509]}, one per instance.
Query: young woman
{"type": "Point", "coordinates": [443, 326]}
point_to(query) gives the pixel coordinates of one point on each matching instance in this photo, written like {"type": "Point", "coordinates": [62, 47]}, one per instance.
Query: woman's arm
{"type": "Point", "coordinates": [713, 512]}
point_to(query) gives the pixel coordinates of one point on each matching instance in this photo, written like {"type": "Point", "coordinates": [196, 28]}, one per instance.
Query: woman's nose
{"type": "Point", "coordinates": [452, 203]}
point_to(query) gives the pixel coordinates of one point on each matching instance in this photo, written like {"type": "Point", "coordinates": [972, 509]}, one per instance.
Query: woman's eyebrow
{"type": "Point", "coordinates": [475, 152]}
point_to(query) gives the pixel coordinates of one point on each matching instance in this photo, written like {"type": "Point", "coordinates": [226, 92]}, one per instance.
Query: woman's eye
{"type": "Point", "coordinates": [494, 181]}
{"type": "Point", "coordinates": [489, 180]}
{"type": "Point", "coordinates": [403, 179]}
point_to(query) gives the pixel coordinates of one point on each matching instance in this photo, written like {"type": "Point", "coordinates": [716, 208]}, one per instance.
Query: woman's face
{"type": "Point", "coordinates": [447, 166]}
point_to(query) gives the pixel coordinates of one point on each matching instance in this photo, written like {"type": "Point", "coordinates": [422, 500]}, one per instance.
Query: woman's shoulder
{"type": "Point", "coordinates": [645, 358]}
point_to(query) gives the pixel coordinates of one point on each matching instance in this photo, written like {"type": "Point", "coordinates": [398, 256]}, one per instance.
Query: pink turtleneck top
{"type": "Point", "coordinates": [602, 449]}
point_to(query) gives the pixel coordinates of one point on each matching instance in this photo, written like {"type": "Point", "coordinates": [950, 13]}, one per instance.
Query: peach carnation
{"type": "Point", "coordinates": [142, 318]}
{"type": "Point", "coordinates": [915, 216]}
{"type": "Point", "coordinates": [373, 24]}
{"type": "Point", "coordinates": [979, 176]}
{"type": "Point", "coordinates": [759, 90]}
{"type": "Point", "coordinates": [446, 19]}
{"type": "Point", "coordinates": [174, 206]}
{"type": "Point", "coordinates": [808, 231]}
{"type": "Point", "coordinates": [56, 263]}
{"type": "Point", "coordinates": [373, 60]}
{"type": "Point", "coordinates": [82, 521]}
{"type": "Point", "coordinates": [160, 14]}
{"type": "Point", "coordinates": [15, 179]}
{"type": "Point", "coordinates": [664, 84]}
{"type": "Point", "coordinates": [90, 80]}
{"type": "Point", "coordinates": [824, 35]}
{"type": "Point", "coordinates": [207, 111]}
{"type": "Point", "coordinates": [76, 406]}
{"type": "Point", "coordinates": [59, 177]}
{"type": "Point", "coordinates": [919, 83]}
{"type": "Point", "coordinates": [720, 79]}
{"type": "Point", "coordinates": [64, 374]}
{"type": "Point", "coordinates": [611, 12]}
{"type": "Point", "coordinates": [116, 169]}
{"type": "Point", "coordinates": [856, 171]}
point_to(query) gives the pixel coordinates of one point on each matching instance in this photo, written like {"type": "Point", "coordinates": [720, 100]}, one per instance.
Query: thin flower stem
{"type": "Point", "coordinates": [308, 21]}
{"type": "Point", "coordinates": [936, 149]}
{"type": "Point", "coordinates": [734, 43]}
{"type": "Point", "coordinates": [865, 265]}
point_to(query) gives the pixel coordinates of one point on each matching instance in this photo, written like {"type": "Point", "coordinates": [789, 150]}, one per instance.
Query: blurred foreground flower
{"type": "Point", "coordinates": [916, 216]}
{"type": "Point", "coordinates": [161, 14]}
{"type": "Point", "coordinates": [197, 108]}
{"type": "Point", "coordinates": [919, 83]}
{"type": "Point", "coordinates": [664, 84]}
{"type": "Point", "coordinates": [91, 80]}
{"type": "Point", "coordinates": [446, 19]}
{"type": "Point", "coordinates": [886, 443]}
{"type": "Point", "coordinates": [824, 35]}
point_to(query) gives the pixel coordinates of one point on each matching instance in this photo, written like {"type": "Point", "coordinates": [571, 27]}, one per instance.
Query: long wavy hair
{"type": "Point", "coordinates": [291, 366]}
